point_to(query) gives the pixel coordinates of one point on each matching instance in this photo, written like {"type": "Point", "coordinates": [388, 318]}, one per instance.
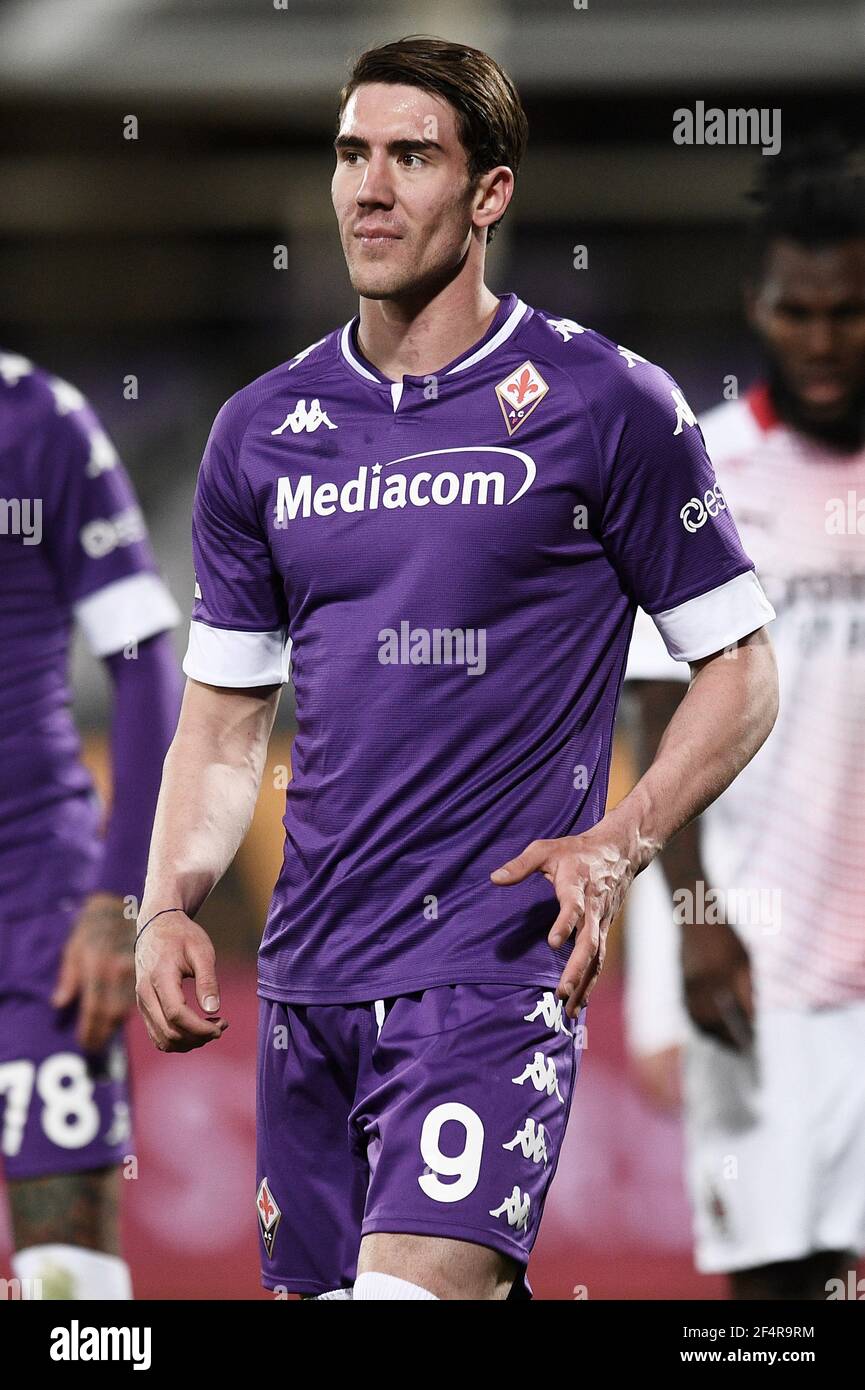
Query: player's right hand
{"type": "Point", "coordinates": [717, 979]}
{"type": "Point", "coordinates": [171, 950]}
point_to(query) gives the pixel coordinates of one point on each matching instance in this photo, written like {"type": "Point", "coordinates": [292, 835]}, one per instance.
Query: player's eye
{"type": "Point", "coordinates": [796, 312]}
{"type": "Point", "coordinates": [409, 155]}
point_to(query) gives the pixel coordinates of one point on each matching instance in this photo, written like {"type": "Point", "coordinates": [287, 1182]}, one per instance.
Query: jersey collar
{"type": "Point", "coordinates": [759, 402]}
{"type": "Point", "coordinates": [505, 321]}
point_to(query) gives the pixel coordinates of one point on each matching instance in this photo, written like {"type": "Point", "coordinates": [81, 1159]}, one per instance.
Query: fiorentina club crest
{"type": "Point", "coordinates": [519, 393]}
{"type": "Point", "coordinates": [268, 1216]}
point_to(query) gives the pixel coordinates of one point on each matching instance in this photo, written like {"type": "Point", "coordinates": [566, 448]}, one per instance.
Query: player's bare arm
{"type": "Point", "coordinates": [209, 789]}
{"type": "Point", "coordinates": [716, 967]}
{"type": "Point", "coordinates": [726, 715]}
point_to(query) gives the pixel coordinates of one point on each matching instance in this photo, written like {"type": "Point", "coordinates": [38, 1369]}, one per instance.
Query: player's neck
{"type": "Point", "coordinates": [421, 336]}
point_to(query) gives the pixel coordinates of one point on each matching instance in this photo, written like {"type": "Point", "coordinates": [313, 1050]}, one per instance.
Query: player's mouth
{"type": "Point", "coordinates": [376, 236]}
{"type": "Point", "coordinates": [822, 390]}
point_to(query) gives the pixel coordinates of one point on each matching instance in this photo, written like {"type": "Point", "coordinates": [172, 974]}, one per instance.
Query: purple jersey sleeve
{"type": "Point", "coordinates": [146, 705]}
{"type": "Point", "coordinates": [665, 525]}
{"type": "Point", "coordinates": [238, 634]}
{"type": "Point", "coordinates": [95, 532]}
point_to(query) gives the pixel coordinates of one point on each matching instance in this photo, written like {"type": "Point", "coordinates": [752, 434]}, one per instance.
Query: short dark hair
{"type": "Point", "coordinates": [812, 192]}
{"type": "Point", "coordinates": [491, 122]}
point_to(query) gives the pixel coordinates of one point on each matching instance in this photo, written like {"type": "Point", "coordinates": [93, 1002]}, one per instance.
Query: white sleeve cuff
{"type": "Point", "coordinates": [224, 656]}
{"type": "Point", "coordinates": [127, 610]}
{"type": "Point", "coordinates": [648, 658]}
{"type": "Point", "coordinates": [714, 620]}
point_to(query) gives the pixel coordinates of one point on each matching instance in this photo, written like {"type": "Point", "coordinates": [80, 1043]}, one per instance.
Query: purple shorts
{"type": "Point", "coordinates": [438, 1113]}
{"type": "Point", "coordinates": [61, 1110]}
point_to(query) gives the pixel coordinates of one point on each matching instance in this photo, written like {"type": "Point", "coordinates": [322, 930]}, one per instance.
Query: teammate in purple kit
{"type": "Point", "coordinates": [444, 515]}
{"type": "Point", "coordinates": [73, 548]}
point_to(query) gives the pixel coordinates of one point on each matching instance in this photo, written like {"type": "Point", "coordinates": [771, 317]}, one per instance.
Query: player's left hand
{"type": "Point", "coordinates": [98, 970]}
{"type": "Point", "coordinates": [591, 874]}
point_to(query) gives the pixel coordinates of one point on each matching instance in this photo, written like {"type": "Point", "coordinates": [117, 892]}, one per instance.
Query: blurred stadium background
{"type": "Point", "coordinates": [154, 257]}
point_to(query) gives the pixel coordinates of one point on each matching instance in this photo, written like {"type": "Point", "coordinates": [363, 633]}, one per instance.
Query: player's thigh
{"type": "Point", "coordinates": [463, 1118]}
{"type": "Point", "coordinates": [455, 1269]}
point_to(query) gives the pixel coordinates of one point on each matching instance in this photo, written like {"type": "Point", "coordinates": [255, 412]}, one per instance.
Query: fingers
{"type": "Point", "coordinates": [571, 907]}
{"type": "Point", "coordinates": [515, 870]}
{"type": "Point", "coordinates": [585, 962]}
{"type": "Point", "coordinates": [742, 989]}
{"type": "Point", "coordinates": [68, 981]}
{"type": "Point", "coordinates": [104, 1006]}
{"type": "Point", "coordinates": [185, 1030]}
{"type": "Point", "coordinates": [163, 1032]}
{"type": "Point", "coordinates": [716, 1012]}
{"type": "Point", "coordinates": [159, 1030]}
{"type": "Point", "coordinates": [202, 960]}
{"type": "Point", "coordinates": [164, 959]}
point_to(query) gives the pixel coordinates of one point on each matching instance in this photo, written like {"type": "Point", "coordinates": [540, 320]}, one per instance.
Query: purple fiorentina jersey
{"type": "Point", "coordinates": [452, 565]}
{"type": "Point", "coordinates": [72, 548]}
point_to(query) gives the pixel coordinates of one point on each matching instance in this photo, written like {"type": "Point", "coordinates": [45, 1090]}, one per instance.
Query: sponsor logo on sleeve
{"type": "Point", "coordinates": [697, 510]}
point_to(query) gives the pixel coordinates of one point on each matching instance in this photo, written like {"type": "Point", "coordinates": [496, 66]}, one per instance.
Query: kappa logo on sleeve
{"type": "Point", "coordinates": [684, 413]}
{"type": "Point", "coordinates": [566, 328]}
{"type": "Point", "coordinates": [269, 1216]}
{"type": "Point", "coordinates": [519, 393]}
{"type": "Point", "coordinates": [13, 367]}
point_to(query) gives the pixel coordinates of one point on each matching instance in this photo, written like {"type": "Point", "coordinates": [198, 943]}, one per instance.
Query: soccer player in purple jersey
{"type": "Point", "coordinates": [73, 549]}
{"type": "Point", "coordinates": [443, 515]}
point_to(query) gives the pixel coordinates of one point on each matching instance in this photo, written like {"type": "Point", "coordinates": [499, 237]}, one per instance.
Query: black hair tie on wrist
{"type": "Point", "coordinates": [161, 913]}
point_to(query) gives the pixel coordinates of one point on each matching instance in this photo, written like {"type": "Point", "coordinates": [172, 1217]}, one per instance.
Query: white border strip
{"type": "Point", "coordinates": [497, 339]}
{"type": "Point", "coordinates": [224, 656]}
{"type": "Point", "coordinates": [712, 621]}
{"type": "Point", "coordinates": [345, 346]}
{"type": "Point", "coordinates": [126, 610]}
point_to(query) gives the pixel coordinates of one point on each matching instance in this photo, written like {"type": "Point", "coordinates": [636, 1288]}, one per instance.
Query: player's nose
{"type": "Point", "coordinates": [821, 338]}
{"type": "Point", "coordinates": [376, 186]}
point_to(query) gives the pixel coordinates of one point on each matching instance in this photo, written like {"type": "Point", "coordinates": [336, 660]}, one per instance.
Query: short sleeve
{"type": "Point", "coordinates": [239, 630]}
{"type": "Point", "coordinates": [666, 525]}
{"type": "Point", "coordinates": [95, 532]}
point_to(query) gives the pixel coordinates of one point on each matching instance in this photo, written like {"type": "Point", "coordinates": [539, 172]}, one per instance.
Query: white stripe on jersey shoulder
{"type": "Point", "coordinates": [712, 621]}
{"type": "Point", "coordinates": [225, 656]}
{"type": "Point", "coordinates": [495, 341]}
{"type": "Point", "coordinates": [304, 353]}
{"type": "Point", "coordinates": [345, 344]}
{"type": "Point", "coordinates": [730, 430]}
{"type": "Point", "coordinates": [124, 611]}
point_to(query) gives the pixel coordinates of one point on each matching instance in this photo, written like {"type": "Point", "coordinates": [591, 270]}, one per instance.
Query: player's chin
{"type": "Point", "coordinates": [378, 281]}
{"type": "Point", "coordinates": [374, 288]}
